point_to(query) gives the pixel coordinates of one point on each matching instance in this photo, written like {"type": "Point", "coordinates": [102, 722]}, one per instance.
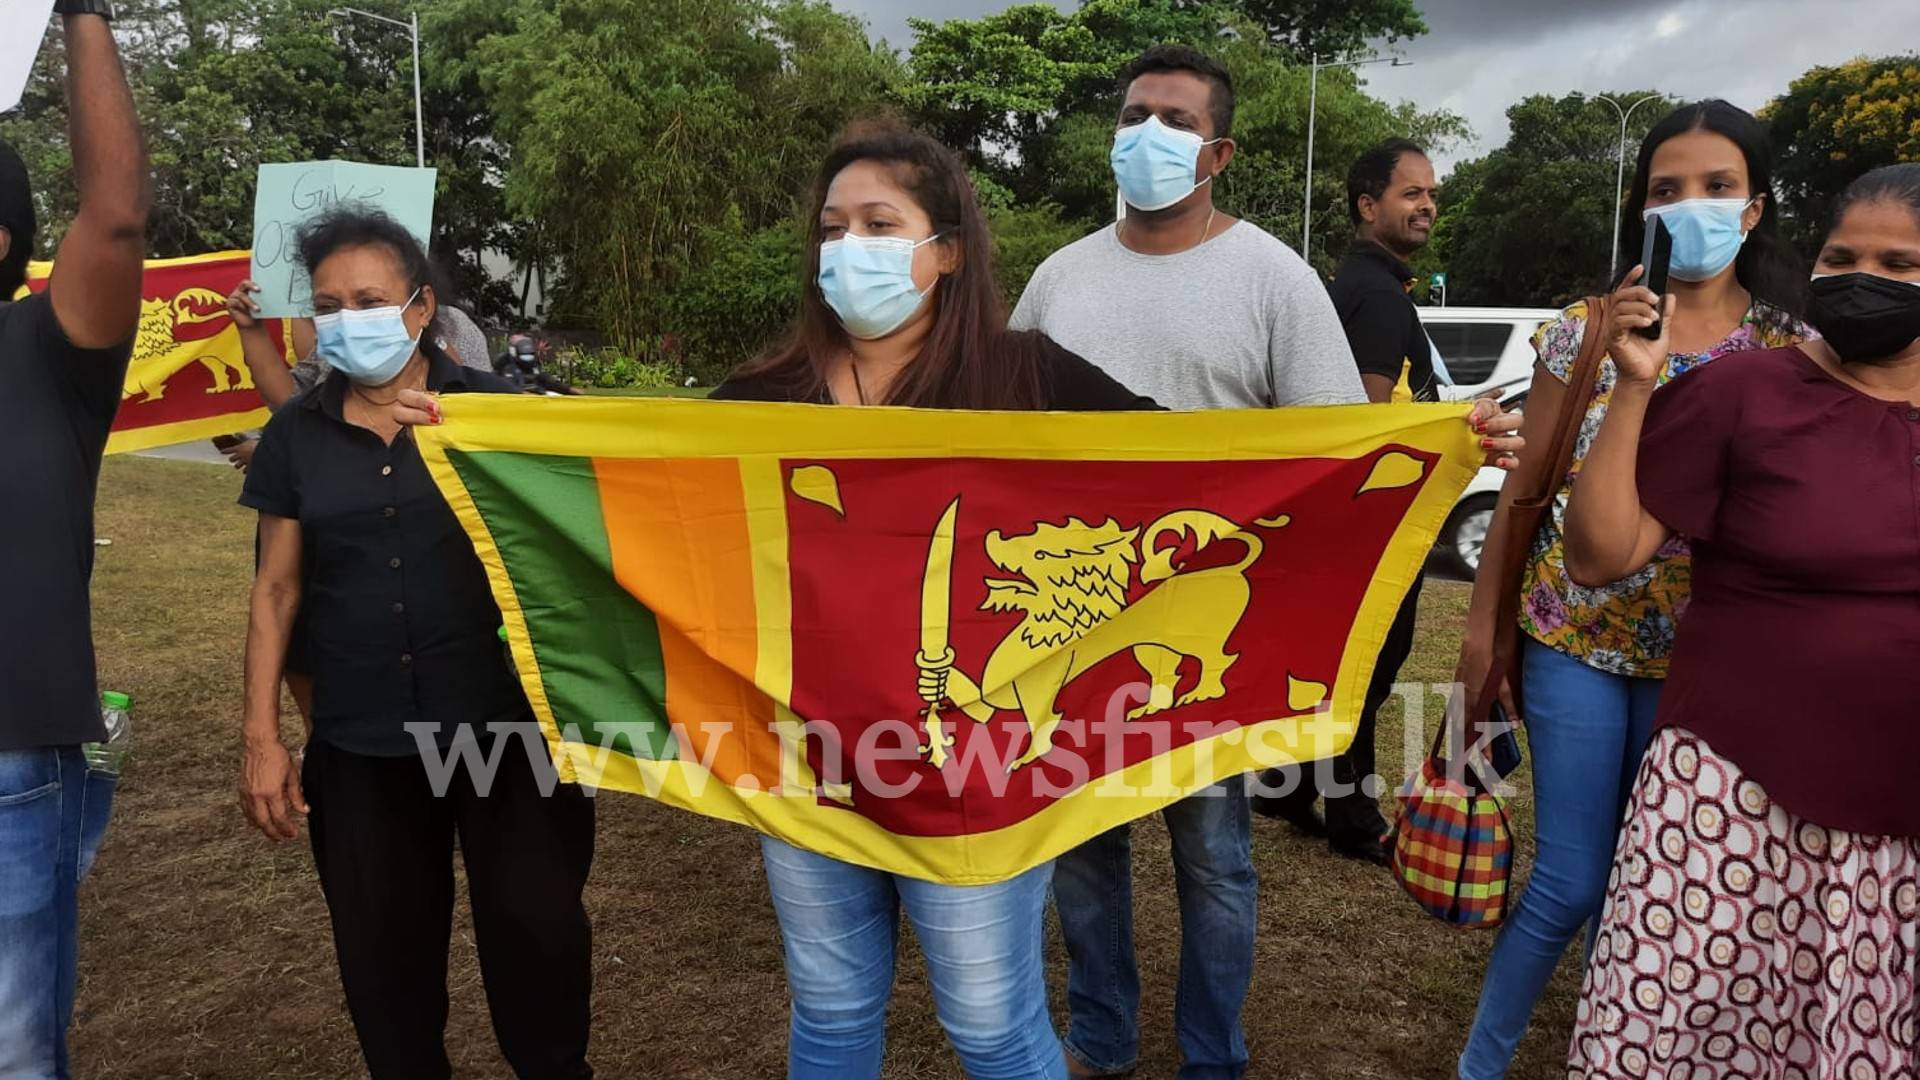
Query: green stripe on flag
{"type": "Point", "coordinates": [598, 648]}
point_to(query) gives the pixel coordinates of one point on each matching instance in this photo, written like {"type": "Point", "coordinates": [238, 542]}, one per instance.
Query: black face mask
{"type": "Point", "coordinates": [1865, 317]}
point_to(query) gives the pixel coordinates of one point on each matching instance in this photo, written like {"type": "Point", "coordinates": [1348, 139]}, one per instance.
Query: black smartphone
{"type": "Point", "coordinates": [1655, 253]}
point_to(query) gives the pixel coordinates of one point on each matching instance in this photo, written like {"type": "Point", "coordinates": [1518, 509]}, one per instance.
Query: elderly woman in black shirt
{"type": "Point", "coordinates": [364, 566]}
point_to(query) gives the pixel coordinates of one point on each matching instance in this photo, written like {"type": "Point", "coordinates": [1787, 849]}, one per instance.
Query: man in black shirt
{"type": "Point", "coordinates": [1390, 198]}
{"type": "Point", "coordinates": [63, 356]}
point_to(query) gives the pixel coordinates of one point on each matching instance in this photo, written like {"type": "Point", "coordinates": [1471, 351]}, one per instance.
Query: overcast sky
{"type": "Point", "coordinates": [1481, 56]}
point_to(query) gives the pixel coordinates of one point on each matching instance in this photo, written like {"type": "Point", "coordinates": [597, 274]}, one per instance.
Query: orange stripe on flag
{"type": "Point", "coordinates": [677, 531]}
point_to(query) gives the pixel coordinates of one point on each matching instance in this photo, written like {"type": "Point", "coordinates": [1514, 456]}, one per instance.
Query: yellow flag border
{"type": "Point", "coordinates": [761, 434]}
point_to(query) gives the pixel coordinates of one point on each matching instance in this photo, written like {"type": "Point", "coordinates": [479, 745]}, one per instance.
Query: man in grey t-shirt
{"type": "Point", "coordinates": [1197, 310]}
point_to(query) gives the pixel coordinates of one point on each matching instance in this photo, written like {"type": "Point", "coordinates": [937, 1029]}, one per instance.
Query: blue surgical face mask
{"type": "Point", "coordinates": [868, 282]}
{"type": "Point", "coordinates": [369, 346]}
{"type": "Point", "coordinates": [1707, 234]}
{"type": "Point", "coordinates": [1154, 164]}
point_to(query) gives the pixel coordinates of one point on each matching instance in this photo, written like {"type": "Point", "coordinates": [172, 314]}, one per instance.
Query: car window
{"type": "Point", "coordinates": [1471, 349]}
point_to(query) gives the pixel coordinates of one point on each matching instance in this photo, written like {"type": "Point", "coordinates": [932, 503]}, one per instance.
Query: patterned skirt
{"type": "Point", "coordinates": [1740, 941]}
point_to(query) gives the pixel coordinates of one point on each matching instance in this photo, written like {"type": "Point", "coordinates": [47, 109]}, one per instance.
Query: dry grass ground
{"type": "Point", "coordinates": [206, 951]}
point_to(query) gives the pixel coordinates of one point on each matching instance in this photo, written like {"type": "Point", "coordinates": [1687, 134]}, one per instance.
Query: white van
{"type": "Point", "coordinates": [1484, 348]}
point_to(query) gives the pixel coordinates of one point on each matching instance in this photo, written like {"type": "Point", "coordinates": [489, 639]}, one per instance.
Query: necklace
{"type": "Point", "coordinates": [1206, 230]}
{"type": "Point", "coordinates": [860, 391]}
{"type": "Point", "coordinates": [371, 400]}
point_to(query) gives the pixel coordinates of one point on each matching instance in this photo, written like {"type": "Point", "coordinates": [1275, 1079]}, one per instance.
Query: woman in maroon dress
{"type": "Point", "coordinates": [1765, 900]}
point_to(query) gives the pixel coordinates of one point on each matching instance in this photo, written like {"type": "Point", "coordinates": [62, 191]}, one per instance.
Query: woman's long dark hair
{"type": "Point", "coordinates": [1767, 266]}
{"type": "Point", "coordinates": [969, 360]}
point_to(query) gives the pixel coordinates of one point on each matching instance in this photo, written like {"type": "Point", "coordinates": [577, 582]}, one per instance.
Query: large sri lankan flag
{"type": "Point", "coordinates": [187, 379]}
{"type": "Point", "coordinates": [739, 608]}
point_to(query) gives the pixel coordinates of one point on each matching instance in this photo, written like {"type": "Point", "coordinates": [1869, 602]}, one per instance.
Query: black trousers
{"type": "Point", "coordinates": [1354, 816]}
{"type": "Point", "coordinates": [384, 846]}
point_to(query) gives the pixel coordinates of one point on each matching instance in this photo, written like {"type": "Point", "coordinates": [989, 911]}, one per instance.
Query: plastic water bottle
{"type": "Point", "coordinates": [111, 756]}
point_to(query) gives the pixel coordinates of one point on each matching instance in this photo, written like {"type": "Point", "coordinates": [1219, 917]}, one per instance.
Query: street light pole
{"type": "Point", "coordinates": [412, 26]}
{"type": "Point", "coordinates": [1313, 106]}
{"type": "Point", "coordinates": [419, 113]}
{"type": "Point", "coordinates": [1619, 177]}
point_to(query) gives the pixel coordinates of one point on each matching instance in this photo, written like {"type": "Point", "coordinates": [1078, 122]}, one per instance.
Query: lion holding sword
{"type": "Point", "coordinates": [1071, 582]}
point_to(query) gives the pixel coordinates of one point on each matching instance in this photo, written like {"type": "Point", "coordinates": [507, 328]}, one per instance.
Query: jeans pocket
{"type": "Point", "coordinates": [30, 819]}
{"type": "Point", "coordinates": [26, 775]}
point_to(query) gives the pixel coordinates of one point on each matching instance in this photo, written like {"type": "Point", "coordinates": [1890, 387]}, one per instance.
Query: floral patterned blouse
{"type": "Point", "coordinates": [1625, 628]}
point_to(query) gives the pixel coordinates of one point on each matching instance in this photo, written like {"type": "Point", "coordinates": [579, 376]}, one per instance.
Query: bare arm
{"type": "Point", "coordinates": [268, 366]}
{"type": "Point", "coordinates": [95, 290]}
{"type": "Point", "coordinates": [1608, 533]}
{"type": "Point", "coordinates": [269, 784]}
{"type": "Point", "coordinates": [1379, 388]}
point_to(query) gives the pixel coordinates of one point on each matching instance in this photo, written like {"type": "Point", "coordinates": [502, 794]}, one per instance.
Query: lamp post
{"type": "Point", "coordinates": [1313, 104]}
{"type": "Point", "coordinates": [412, 26]}
{"type": "Point", "coordinates": [1620, 176]}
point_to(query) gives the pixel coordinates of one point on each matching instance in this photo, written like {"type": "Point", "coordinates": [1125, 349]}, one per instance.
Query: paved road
{"type": "Point", "coordinates": [201, 450]}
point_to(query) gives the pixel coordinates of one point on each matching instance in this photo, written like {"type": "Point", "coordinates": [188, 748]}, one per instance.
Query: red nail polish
{"type": "Point", "coordinates": [1486, 444]}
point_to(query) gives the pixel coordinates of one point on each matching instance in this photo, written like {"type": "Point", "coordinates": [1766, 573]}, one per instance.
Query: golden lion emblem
{"type": "Point", "coordinates": [1071, 582]}
{"type": "Point", "coordinates": [188, 329]}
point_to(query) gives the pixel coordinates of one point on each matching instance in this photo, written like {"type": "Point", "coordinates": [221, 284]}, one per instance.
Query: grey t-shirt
{"type": "Point", "coordinates": [1238, 322]}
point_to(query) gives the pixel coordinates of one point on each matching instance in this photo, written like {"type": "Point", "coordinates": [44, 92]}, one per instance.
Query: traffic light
{"type": "Point", "coordinates": [1437, 290]}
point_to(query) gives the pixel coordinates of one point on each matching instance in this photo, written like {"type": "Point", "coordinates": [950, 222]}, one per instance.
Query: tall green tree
{"type": "Point", "coordinates": [995, 86]}
{"type": "Point", "coordinates": [223, 86]}
{"type": "Point", "coordinates": [1835, 123]}
{"type": "Point", "coordinates": [1531, 224]}
{"type": "Point", "coordinates": [1333, 28]}
{"type": "Point", "coordinates": [638, 127]}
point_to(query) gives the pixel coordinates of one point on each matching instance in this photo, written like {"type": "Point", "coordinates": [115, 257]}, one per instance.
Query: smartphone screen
{"type": "Point", "coordinates": [1655, 253]}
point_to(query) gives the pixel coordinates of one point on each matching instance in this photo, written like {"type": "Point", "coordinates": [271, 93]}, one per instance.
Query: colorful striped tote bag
{"type": "Point", "coordinates": [1452, 849]}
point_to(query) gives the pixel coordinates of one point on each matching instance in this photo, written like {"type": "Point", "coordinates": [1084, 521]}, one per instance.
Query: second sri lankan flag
{"type": "Point", "coordinates": [741, 609]}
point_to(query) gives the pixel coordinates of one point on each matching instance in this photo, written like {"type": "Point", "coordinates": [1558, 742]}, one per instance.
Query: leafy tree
{"type": "Point", "coordinates": [731, 306]}
{"type": "Point", "coordinates": [993, 86]}
{"type": "Point", "coordinates": [222, 86]}
{"type": "Point", "coordinates": [637, 126]}
{"type": "Point", "coordinates": [1835, 123]}
{"type": "Point", "coordinates": [1330, 29]}
{"type": "Point", "coordinates": [1532, 223]}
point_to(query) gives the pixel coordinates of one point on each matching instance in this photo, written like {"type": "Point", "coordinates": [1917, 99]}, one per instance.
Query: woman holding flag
{"type": "Point", "coordinates": [365, 571]}
{"type": "Point", "coordinates": [899, 305]}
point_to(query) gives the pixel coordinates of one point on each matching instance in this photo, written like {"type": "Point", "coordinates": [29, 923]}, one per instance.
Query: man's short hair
{"type": "Point", "coordinates": [1194, 62]}
{"type": "Point", "coordinates": [1373, 171]}
{"type": "Point", "coordinates": [17, 217]}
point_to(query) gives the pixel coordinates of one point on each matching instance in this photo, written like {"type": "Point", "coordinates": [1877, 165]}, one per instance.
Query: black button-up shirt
{"type": "Point", "coordinates": [397, 624]}
{"type": "Point", "coordinates": [1383, 326]}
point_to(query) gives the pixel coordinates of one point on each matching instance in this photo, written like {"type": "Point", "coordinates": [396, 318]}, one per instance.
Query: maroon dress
{"type": "Point", "coordinates": [1799, 653]}
{"type": "Point", "coordinates": [1763, 917]}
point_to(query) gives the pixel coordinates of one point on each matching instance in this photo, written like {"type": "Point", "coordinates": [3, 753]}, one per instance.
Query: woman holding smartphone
{"type": "Point", "coordinates": [1594, 658]}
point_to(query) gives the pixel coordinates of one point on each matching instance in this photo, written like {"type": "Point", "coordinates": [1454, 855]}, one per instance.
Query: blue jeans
{"type": "Point", "coordinates": [53, 812]}
{"type": "Point", "coordinates": [1213, 867]}
{"type": "Point", "coordinates": [1587, 731]}
{"type": "Point", "coordinates": [984, 947]}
